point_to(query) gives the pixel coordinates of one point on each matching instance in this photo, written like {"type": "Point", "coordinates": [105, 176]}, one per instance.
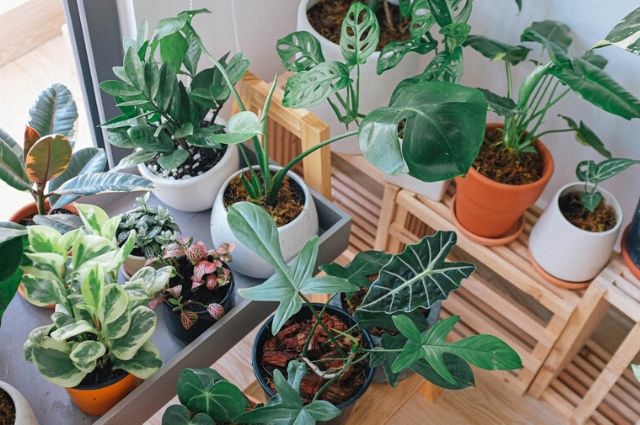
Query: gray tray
{"type": "Point", "coordinates": [52, 405]}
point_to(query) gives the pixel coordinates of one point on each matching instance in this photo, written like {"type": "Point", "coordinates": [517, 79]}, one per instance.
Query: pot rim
{"type": "Point", "coordinates": [308, 199]}
{"type": "Point", "coordinates": [611, 200]}
{"type": "Point", "coordinates": [146, 173]}
{"type": "Point", "coordinates": [365, 336]}
{"type": "Point", "coordinates": [101, 385]}
{"type": "Point", "coordinates": [24, 210]}
{"type": "Point", "coordinates": [546, 174]}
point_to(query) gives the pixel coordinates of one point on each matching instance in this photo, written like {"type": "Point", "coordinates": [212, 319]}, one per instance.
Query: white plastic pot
{"type": "Point", "coordinates": [24, 413]}
{"type": "Point", "coordinates": [293, 235]}
{"type": "Point", "coordinates": [196, 193]}
{"type": "Point", "coordinates": [375, 90]}
{"type": "Point", "coordinates": [434, 191]}
{"type": "Point", "coordinates": [566, 251]}
{"type": "Point", "coordinates": [132, 264]}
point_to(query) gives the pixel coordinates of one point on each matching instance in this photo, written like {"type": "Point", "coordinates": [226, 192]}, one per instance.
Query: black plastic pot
{"type": "Point", "coordinates": [304, 314]}
{"type": "Point", "coordinates": [204, 321]}
{"type": "Point", "coordinates": [631, 245]}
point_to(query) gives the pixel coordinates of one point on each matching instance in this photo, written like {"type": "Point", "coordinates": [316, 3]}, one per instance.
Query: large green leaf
{"type": "Point", "coordinates": [53, 361]}
{"type": "Point", "coordinates": [92, 183]}
{"type": "Point", "coordinates": [54, 112]}
{"type": "Point", "coordinates": [299, 51]}
{"type": "Point", "coordinates": [173, 49]}
{"type": "Point", "coordinates": [48, 158]}
{"type": "Point", "coordinates": [502, 106]}
{"type": "Point", "coordinates": [443, 130]}
{"type": "Point", "coordinates": [309, 88]}
{"type": "Point", "coordinates": [595, 86]}
{"type": "Point", "coordinates": [497, 50]}
{"type": "Point", "coordinates": [11, 166]}
{"type": "Point", "coordinates": [417, 277]}
{"type": "Point", "coordinates": [359, 34]}
{"type": "Point", "coordinates": [358, 271]}
{"type": "Point", "coordinates": [554, 36]}
{"type": "Point", "coordinates": [626, 34]}
{"type": "Point", "coordinates": [88, 160]}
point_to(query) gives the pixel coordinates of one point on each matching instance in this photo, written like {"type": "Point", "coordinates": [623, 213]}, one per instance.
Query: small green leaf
{"type": "Point", "coordinates": [586, 136]}
{"type": "Point", "coordinates": [309, 88]}
{"type": "Point", "coordinates": [591, 200]}
{"type": "Point", "coordinates": [407, 327]}
{"type": "Point", "coordinates": [496, 50]}
{"type": "Point", "coordinates": [299, 51]}
{"type": "Point", "coordinates": [359, 34]}
{"type": "Point", "coordinates": [173, 160]}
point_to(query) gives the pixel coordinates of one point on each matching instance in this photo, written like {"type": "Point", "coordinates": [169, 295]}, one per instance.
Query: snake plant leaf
{"type": "Point", "coordinates": [143, 324]}
{"type": "Point", "coordinates": [11, 166]}
{"type": "Point", "coordinates": [88, 160]}
{"type": "Point", "coordinates": [309, 88]}
{"type": "Point", "coordinates": [48, 158]}
{"type": "Point", "coordinates": [52, 360]}
{"type": "Point", "coordinates": [92, 183]}
{"type": "Point", "coordinates": [497, 50]}
{"type": "Point", "coordinates": [363, 265]}
{"type": "Point", "coordinates": [299, 51]}
{"type": "Point", "coordinates": [626, 34]}
{"type": "Point", "coordinates": [587, 137]}
{"type": "Point", "coordinates": [444, 128]}
{"type": "Point", "coordinates": [143, 364]}
{"type": "Point", "coordinates": [180, 415]}
{"type": "Point", "coordinates": [554, 37]}
{"type": "Point", "coordinates": [417, 277]}
{"type": "Point", "coordinates": [595, 86]}
{"type": "Point", "coordinates": [359, 34]}
{"type": "Point", "coordinates": [86, 354]}
{"type": "Point", "coordinates": [206, 391]}
{"type": "Point", "coordinates": [500, 105]}
{"type": "Point", "coordinates": [54, 112]}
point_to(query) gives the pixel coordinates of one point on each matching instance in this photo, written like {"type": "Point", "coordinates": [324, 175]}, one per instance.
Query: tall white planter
{"type": "Point", "coordinates": [292, 236]}
{"type": "Point", "coordinates": [375, 90]}
{"type": "Point", "coordinates": [24, 413]}
{"type": "Point", "coordinates": [566, 251]}
{"type": "Point", "coordinates": [434, 191]}
{"type": "Point", "coordinates": [196, 193]}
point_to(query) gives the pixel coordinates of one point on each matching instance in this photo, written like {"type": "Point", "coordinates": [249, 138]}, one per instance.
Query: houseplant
{"type": "Point", "coordinates": [202, 290]}
{"type": "Point", "coordinates": [574, 237]}
{"type": "Point", "coordinates": [155, 229]}
{"type": "Point", "coordinates": [332, 346]}
{"type": "Point", "coordinates": [514, 166]}
{"type": "Point", "coordinates": [169, 120]}
{"type": "Point", "coordinates": [98, 344]}
{"type": "Point", "coordinates": [14, 408]}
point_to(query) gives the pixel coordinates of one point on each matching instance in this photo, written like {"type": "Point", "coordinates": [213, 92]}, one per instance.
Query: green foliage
{"type": "Point", "coordinates": [12, 242]}
{"type": "Point", "coordinates": [592, 174]}
{"type": "Point", "coordinates": [625, 33]}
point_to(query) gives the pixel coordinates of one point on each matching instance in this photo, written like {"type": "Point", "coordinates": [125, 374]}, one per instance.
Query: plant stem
{"type": "Point", "coordinates": [318, 317]}
{"type": "Point", "coordinates": [553, 131]}
{"type": "Point", "coordinates": [40, 198]}
{"type": "Point", "coordinates": [305, 349]}
{"type": "Point", "coordinates": [509, 79]}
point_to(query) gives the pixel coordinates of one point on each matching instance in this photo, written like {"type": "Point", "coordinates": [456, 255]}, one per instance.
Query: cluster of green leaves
{"type": "Point", "coordinates": [161, 114]}
{"type": "Point", "coordinates": [549, 83]}
{"type": "Point", "coordinates": [591, 174]}
{"type": "Point", "coordinates": [407, 283]}
{"type": "Point", "coordinates": [97, 323]}
{"type": "Point", "coordinates": [207, 398]}
{"type": "Point", "coordinates": [155, 227]}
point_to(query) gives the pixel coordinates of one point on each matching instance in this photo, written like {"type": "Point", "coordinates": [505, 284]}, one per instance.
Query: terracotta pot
{"type": "Point", "coordinates": [24, 413]}
{"type": "Point", "coordinates": [96, 400]}
{"type": "Point", "coordinates": [490, 209]}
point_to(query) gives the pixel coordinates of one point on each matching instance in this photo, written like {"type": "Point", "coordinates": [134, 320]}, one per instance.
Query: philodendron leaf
{"type": "Point", "coordinates": [443, 130]}
{"type": "Point", "coordinates": [206, 391]}
{"type": "Point", "coordinates": [359, 34]}
{"type": "Point", "coordinates": [554, 36]}
{"type": "Point", "coordinates": [48, 158]}
{"type": "Point", "coordinates": [587, 137]}
{"type": "Point", "coordinates": [363, 265]}
{"type": "Point", "coordinates": [590, 172]}
{"type": "Point", "coordinates": [590, 200]}
{"type": "Point", "coordinates": [497, 50]}
{"type": "Point", "coordinates": [626, 34]}
{"type": "Point", "coordinates": [299, 51]}
{"type": "Point", "coordinates": [54, 112]}
{"type": "Point", "coordinates": [180, 415]}
{"type": "Point", "coordinates": [92, 183]}
{"type": "Point", "coordinates": [309, 88]}
{"type": "Point", "coordinates": [255, 229]}
{"type": "Point", "coordinates": [417, 277]}
{"type": "Point", "coordinates": [502, 106]}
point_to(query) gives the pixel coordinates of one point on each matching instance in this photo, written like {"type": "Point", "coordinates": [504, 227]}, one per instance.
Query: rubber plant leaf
{"type": "Point", "coordinates": [48, 158]}
{"type": "Point", "coordinates": [417, 277]}
{"type": "Point", "coordinates": [12, 170]}
{"type": "Point", "coordinates": [359, 34]}
{"type": "Point", "coordinates": [626, 34]}
{"type": "Point", "coordinates": [92, 183]}
{"type": "Point", "coordinates": [444, 126]}
{"type": "Point", "coordinates": [54, 112]}
{"type": "Point", "coordinates": [83, 161]}
{"type": "Point", "coordinates": [299, 51]}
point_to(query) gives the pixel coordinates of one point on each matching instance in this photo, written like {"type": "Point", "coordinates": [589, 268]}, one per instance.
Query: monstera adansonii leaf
{"type": "Point", "coordinates": [255, 229]}
{"type": "Point", "coordinates": [433, 130]}
{"type": "Point", "coordinates": [417, 277]}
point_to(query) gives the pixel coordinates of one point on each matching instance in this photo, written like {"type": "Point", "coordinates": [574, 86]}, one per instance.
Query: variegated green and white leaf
{"type": "Point", "coordinates": [44, 239]}
{"type": "Point", "coordinates": [114, 303]}
{"type": "Point", "coordinates": [626, 34]}
{"type": "Point", "coordinates": [93, 217]}
{"type": "Point", "coordinates": [143, 364]}
{"type": "Point", "coordinates": [143, 324]}
{"type": "Point", "coordinates": [41, 292]}
{"type": "Point", "coordinates": [71, 330]}
{"type": "Point", "coordinates": [48, 262]}
{"type": "Point", "coordinates": [52, 360]}
{"type": "Point", "coordinates": [589, 171]}
{"type": "Point", "coordinates": [151, 280]}
{"type": "Point", "coordinates": [92, 288]}
{"type": "Point", "coordinates": [120, 326]}
{"type": "Point", "coordinates": [90, 248]}
{"type": "Point", "coordinates": [85, 355]}
{"type": "Point", "coordinates": [418, 277]}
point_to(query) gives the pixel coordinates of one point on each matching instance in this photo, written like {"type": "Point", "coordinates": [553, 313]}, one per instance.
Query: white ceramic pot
{"type": "Point", "coordinates": [434, 191]}
{"type": "Point", "coordinates": [566, 251]}
{"type": "Point", "coordinates": [375, 90]}
{"type": "Point", "coordinates": [197, 193]}
{"type": "Point", "coordinates": [132, 264]}
{"type": "Point", "coordinates": [24, 413]}
{"type": "Point", "coordinates": [293, 235]}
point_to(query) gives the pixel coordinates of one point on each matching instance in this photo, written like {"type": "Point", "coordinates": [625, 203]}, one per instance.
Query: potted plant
{"type": "Point", "coordinates": [574, 237]}
{"type": "Point", "coordinates": [155, 229]}
{"type": "Point", "coordinates": [14, 408]}
{"type": "Point", "coordinates": [98, 344]}
{"type": "Point", "coordinates": [169, 120]}
{"type": "Point", "coordinates": [513, 166]}
{"type": "Point", "coordinates": [332, 348]}
{"type": "Point", "coordinates": [202, 290]}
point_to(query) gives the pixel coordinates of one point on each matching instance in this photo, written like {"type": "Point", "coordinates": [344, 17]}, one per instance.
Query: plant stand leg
{"type": "Point", "coordinates": [317, 166]}
{"type": "Point", "coordinates": [386, 216]}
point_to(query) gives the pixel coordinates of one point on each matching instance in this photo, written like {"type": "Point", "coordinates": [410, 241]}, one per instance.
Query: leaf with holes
{"type": "Point", "coordinates": [48, 158]}
{"type": "Point", "coordinates": [359, 34]}
{"type": "Point", "coordinates": [417, 277]}
{"type": "Point", "coordinates": [54, 112]}
{"type": "Point", "coordinates": [299, 51]}
{"type": "Point", "coordinates": [309, 88]}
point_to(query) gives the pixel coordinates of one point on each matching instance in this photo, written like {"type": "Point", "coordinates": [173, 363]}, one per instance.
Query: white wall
{"type": "Point", "coordinates": [261, 22]}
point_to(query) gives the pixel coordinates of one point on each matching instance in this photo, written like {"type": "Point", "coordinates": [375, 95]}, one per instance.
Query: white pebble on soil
{"type": "Point", "coordinates": [196, 157]}
{"type": "Point", "coordinates": [196, 165]}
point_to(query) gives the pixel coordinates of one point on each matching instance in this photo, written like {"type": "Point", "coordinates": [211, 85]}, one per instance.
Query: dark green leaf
{"type": "Point", "coordinates": [299, 51]}
{"type": "Point", "coordinates": [8, 288]}
{"type": "Point", "coordinates": [407, 327]}
{"type": "Point", "coordinates": [393, 52]}
{"type": "Point", "coordinates": [496, 50]}
{"type": "Point", "coordinates": [422, 19]}
{"type": "Point", "coordinates": [442, 12]}
{"type": "Point", "coordinates": [173, 160]}
{"type": "Point", "coordinates": [502, 106]}
{"type": "Point", "coordinates": [180, 415]}
{"type": "Point", "coordinates": [173, 49]}
{"type": "Point", "coordinates": [587, 137]}
{"type": "Point", "coordinates": [143, 137]}
{"type": "Point", "coordinates": [554, 36]}
{"type": "Point", "coordinates": [363, 265]}
{"type": "Point", "coordinates": [591, 200]}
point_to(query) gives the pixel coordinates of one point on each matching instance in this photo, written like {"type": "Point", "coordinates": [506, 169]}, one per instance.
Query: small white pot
{"type": "Point", "coordinates": [566, 251]}
{"type": "Point", "coordinates": [24, 413]}
{"type": "Point", "coordinates": [132, 264]}
{"type": "Point", "coordinates": [196, 193]}
{"type": "Point", "coordinates": [434, 191]}
{"type": "Point", "coordinates": [293, 235]}
{"type": "Point", "coordinates": [375, 90]}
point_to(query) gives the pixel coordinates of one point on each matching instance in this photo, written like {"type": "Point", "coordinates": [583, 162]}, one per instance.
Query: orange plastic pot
{"type": "Point", "coordinates": [96, 400]}
{"type": "Point", "coordinates": [490, 209]}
